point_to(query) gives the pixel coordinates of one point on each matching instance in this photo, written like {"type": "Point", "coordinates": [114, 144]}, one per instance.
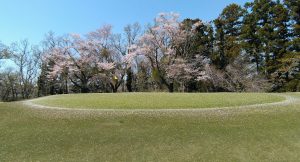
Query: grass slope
{"type": "Point", "coordinates": [156, 100]}
{"type": "Point", "coordinates": [256, 134]}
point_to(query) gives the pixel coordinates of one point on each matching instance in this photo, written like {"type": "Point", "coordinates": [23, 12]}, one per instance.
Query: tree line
{"type": "Point", "coordinates": [253, 48]}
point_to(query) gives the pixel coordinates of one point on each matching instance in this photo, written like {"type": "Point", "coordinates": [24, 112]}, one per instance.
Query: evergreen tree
{"type": "Point", "coordinates": [279, 45]}
{"type": "Point", "coordinates": [228, 29]}
{"type": "Point", "coordinates": [281, 35]}
{"type": "Point", "coordinates": [294, 12]}
{"type": "Point", "coordinates": [264, 13]}
{"type": "Point", "coordinates": [202, 39]}
{"type": "Point", "coordinates": [249, 38]}
{"type": "Point", "coordinates": [289, 72]}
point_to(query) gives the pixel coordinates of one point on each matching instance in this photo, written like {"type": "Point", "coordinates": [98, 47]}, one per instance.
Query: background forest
{"type": "Point", "coordinates": [255, 47]}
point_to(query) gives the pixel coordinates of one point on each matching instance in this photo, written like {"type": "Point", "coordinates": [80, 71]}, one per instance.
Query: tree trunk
{"type": "Point", "coordinates": [67, 89]}
{"type": "Point", "coordinates": [129, 80]}
{"type": "Point", "coordinates": [85, 89]}
{"type": "Point", "coordinates": [114, 88]}
{"type": "Point", "coordinates": [171, 87]}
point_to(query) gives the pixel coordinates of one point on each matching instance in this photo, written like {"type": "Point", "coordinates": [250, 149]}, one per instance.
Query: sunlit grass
{"type": "Point", "coordinates": [256, 134]}
{"type": "Point", "coordinates": [157, 100]}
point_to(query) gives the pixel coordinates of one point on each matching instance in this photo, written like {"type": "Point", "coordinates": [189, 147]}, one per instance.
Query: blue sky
{"type": "Point", "coordinates": [31, 19]}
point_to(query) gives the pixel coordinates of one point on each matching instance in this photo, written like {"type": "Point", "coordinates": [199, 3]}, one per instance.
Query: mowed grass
{"type": "Point", "coordinates": [254, 134]}
{"type": "Point", "coordinates": [157, 100]}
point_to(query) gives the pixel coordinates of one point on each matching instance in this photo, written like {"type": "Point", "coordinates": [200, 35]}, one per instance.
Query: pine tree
{"type": "Point", "coordinates": [249, 38]}
{"type": "Point", "coordinates": [219, 55]}
{"type": "Point", "coordinates": [202, 37]}
{"type": "Point", "coordinates": [228, 29]}
{"type": "Point", "coordinates": [279, 45]}
{"type": "Point", "coordinates": [289, 72]}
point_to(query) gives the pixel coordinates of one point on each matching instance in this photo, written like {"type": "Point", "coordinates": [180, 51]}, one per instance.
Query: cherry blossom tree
{"type": "Point", "coordinates": [122, 43]}
{"type": "Point", "coordinates": [111, 51]}
{"type": "Point", "coordinates": [165, 45]}
{"type": "Point", "coordinates": [50, 85]}
{"type": "Point", "coordinates": [83, 59]}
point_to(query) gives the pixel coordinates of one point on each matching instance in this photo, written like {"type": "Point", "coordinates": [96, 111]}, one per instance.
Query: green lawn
{"type": "Point", "coordinates": [156, 100]}
{"type": "Point", "coordinates": [241, 134]}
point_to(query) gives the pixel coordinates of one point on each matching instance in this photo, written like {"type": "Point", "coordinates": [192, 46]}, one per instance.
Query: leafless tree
{"type": "Point", "coordinates": [239, 76]}
{"type": "Point", "coordinates": [9, 85]}
{"type": "Point", "coordinates": [122, 44]}
{"type": "Point", "coordinates": [26, 59]}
